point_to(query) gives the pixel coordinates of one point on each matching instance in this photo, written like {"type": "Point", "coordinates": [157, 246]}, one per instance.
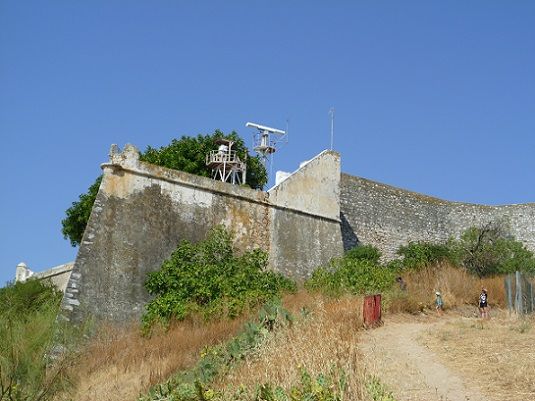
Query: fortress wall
{"type": "Point", "coordinates": [300, 243]}
{"type": "Point", "coordinates": [143, 211]}
{"type": "Point", "coordinates": [388, 217]}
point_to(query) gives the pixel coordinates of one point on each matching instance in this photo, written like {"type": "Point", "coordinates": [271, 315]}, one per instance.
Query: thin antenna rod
{"type": "Point", "coordinates": [331, 112]}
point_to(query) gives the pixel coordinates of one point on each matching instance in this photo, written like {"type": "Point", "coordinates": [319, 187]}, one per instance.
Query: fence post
{"type": "Point", "coordinates": [518, 296]}
{"type": "Point", "coordinates": [529, 290]}
{"type": "Point", "coordinates": [509, 291]}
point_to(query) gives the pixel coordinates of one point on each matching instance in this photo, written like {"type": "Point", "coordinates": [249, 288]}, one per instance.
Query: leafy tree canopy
{"type": "Point", "coordinates": [186, 154]}
{"type": "Point", "coordinates": [489, 250]}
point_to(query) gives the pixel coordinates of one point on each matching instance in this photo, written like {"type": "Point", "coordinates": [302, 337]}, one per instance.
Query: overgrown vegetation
{"type": "Point", "coordinates": [489, 250]}
{"type": "Point", "coordinates": [208, 278]}
{"type": "Point", "coordinates": [483, 251]}
{"type": "Point", "coordinates": [77, 216]}
{"type": "Point", "coordinates": [417, 255]}
{"type": "Point", "coordinates": [192, 384]}
{"type": "Point", "coordinates": [27, 332]}
{"type": "Point", "coordinates": [357, 272]}
{"type": "Point", "coordinates": [186, 154]}
{"type": "Point", "coordinates": [323, 387]}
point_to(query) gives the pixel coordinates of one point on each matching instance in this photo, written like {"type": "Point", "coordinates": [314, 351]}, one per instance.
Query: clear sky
{"type": "Point", "coordinates": [436, 97]}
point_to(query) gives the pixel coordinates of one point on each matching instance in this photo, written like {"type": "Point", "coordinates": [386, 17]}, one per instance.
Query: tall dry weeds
{"type": "Point", "coordinates": [120, 363]}
{"type": "Point", "coordinates": [325, 336]}
{"type": "Point", "coordinates": [456, 285]}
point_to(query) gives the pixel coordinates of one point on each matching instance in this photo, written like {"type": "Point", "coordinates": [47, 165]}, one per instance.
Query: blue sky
{"type": "Point", "coordinates": [437, 97]}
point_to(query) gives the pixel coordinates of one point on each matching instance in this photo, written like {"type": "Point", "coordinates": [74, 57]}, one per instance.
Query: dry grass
{"type": "Point", "coordinates": [456, 285]}
{"type": "Point", "coordinates": [120, 363]}
{"type": "Point", "coordinates": [327, 337]}
{"type": "Point", "coordinates": [497, 354]}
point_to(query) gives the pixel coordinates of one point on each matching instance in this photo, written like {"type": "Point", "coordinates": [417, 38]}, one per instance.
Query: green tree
{"type": "Point", "coordinates": [489, 250]}
{"type": "Point", "coordinates": [186, 154]}
{"type": "Point", "coordinates": [189, 154]}
{"type": "Point", "coordinates": [73, 225]}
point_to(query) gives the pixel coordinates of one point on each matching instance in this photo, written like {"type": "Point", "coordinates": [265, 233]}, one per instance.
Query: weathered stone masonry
{"type": "Point", "coordinates": [143, 211]}
{"type": "Point", "coordinates": [387, 217]}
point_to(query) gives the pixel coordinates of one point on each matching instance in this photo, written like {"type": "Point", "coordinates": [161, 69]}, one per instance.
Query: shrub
{"type": "Point", "coordinates": [324, 387]}
{"type": "Point", "coordinates": [364, 252]}
{"type": "Point", "coordinates": [207, 277]}
{"type": "Point", "coordinates": [350, 275]}
{"type": "Point", "coordinates": [420, 254]}
{"type": "Point", "coordinates": [27, 329]}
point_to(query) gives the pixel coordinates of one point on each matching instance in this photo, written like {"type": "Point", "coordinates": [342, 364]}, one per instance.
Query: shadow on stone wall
{"type": "Point", "coordinates": [349, 238]}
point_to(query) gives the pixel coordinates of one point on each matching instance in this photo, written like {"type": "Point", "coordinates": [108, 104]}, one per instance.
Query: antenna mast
{"type": "Point", "coordinates": [331, 112]}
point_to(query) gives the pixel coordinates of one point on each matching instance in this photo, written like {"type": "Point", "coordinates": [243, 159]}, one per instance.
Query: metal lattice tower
{"type": "Point", "coordinates": [225, 164]}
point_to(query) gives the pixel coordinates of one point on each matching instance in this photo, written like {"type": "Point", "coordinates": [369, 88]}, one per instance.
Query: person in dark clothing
{"type": "Point", "coordinates": [402, 283]}
{"type": "Point", "coordinates": [483, 303]}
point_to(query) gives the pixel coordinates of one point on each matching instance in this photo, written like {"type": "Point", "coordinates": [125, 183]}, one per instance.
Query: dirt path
{"type": "Point", "coordinates": [410, 370]}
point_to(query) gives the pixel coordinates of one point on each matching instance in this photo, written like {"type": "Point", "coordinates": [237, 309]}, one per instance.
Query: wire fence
{"type": "Point", "coordinates": [520, 293]}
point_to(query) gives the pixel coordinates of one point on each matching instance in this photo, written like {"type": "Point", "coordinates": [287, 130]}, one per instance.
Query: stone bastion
{"type": "Point", "coordinates": [143, 211]}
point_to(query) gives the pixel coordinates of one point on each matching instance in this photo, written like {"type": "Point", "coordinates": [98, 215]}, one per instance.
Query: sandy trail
{"type": "Point", "coordinates": [410, 370]}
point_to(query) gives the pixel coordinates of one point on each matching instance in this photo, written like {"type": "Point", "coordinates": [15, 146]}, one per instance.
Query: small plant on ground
{"type": "Point", "coordinates": [377, 390]}
{"type": "Point", "coordinates": [209, 278]}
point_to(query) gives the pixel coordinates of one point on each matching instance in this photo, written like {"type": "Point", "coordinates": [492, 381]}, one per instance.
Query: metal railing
{"type": "Point", "coordinates": [220, 156]}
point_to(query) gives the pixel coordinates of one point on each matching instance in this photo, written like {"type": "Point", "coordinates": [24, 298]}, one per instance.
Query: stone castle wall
{"type": "Point", "coordinates": [143, 211]}
{"type": "Point", "coordinates": [388, 217]}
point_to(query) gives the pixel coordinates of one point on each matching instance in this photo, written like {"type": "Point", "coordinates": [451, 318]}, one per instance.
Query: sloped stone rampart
{"type": "Point", "coordinates": [143, 211]}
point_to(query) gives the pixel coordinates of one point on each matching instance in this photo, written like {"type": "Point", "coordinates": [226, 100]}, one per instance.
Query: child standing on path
{"type": "Point", "coordinates": [483, 304]}
{"type": "Point", "coordinates": [439, 303]}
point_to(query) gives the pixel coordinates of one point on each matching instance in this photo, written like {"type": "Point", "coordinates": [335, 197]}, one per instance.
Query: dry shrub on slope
{"type": "Point", "coordinates": [120, 363]}
{"type": "Point", "coordinates": [458, 288]}
{"type": "Point", "coordinates": [325, 336]}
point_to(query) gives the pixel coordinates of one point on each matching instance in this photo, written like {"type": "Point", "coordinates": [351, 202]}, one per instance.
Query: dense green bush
{"type": "Point", "coordinates": [27, 329]}
{"type": "Point", "coordinates": [186, 154]}
{"type": "Point", "coordinates": [207, 277]}
{"type": "Point", "coordinates": [350, 275]}
{"type": "Point", "coordinates": [417, 255]}
{"type": "Point", "coordinates": [364, 252]}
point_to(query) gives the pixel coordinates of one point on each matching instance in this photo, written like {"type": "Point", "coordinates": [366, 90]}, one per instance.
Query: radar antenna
{"type": "Point", "coordinates": [266, 140]}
